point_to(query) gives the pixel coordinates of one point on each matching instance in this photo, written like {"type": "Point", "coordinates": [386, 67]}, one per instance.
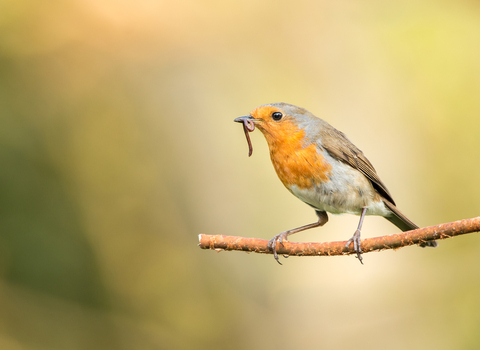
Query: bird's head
{"type": "Point", "coordinates": [280, 123]}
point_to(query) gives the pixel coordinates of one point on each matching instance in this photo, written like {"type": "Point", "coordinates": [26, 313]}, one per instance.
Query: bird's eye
{"type": "Point", "coordinates": [277, 116]}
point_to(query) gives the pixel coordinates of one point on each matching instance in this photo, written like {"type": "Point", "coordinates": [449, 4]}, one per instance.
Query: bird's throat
{"type": "Point", "coordinates": [296, 163]}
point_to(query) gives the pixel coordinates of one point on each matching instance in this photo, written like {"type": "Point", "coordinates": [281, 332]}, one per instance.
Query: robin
{"type": "Point", "coordinates": [319, 165]}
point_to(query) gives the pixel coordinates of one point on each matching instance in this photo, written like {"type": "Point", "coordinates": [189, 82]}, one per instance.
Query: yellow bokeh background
{"type": "Point", "coordinates": [118, 147]}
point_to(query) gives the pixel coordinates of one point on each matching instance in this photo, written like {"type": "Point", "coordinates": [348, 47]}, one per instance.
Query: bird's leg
{"type": "Point", "coordinates": [272, 244]}
{"type": "Point", "coordinates": [356, 237]}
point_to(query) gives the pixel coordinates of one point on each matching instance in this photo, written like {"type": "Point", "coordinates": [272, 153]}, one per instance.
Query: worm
{"type": "Point", "coordinates": [248, 127]}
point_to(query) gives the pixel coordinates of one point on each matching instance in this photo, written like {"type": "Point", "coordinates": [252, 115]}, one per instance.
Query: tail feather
{"type": "Point", "coordinates": [404, 223]}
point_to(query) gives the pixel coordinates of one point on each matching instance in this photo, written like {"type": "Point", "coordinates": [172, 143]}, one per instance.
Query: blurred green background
{"type": "Point", "coordinates": [118, 147]}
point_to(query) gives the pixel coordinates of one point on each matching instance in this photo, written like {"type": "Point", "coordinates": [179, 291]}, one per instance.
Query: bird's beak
{"type": "Point", "coordinates": [242, 119]}
{"type": "Point", "coordinates": [248, 122]}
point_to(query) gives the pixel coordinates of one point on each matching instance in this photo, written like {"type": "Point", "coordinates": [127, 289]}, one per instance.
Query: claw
{"type": "Point", "coordinates": [272, 244]}
{"type": "Point", "coordinates": [357, 244]}
{"type": "Point", "coordinates": [357, 247]}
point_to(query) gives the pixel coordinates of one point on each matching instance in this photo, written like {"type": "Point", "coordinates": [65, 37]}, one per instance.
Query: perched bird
{"type": "Point", "coordinates": [319, 165]}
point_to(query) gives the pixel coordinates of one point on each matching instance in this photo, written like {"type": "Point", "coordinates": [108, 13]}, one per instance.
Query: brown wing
{"type": "Point", "coordinates": [339, 146]}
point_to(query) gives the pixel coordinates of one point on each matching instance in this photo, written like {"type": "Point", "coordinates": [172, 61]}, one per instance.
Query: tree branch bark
{"type": "Point", "coordinates": [395, 241]}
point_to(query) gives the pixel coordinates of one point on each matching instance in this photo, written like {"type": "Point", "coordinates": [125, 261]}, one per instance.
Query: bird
{"type": "Point", "coordinates": [319, 165]}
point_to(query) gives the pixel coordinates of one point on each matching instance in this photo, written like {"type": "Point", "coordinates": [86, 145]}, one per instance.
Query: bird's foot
{"type": "Point", "coordinates": [272, 244]}
{"type": "Point", "coordinates": [356, 245]}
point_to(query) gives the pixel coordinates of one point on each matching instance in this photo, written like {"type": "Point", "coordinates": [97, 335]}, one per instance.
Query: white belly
{"type": "Point", "coordinates": [348, 191]}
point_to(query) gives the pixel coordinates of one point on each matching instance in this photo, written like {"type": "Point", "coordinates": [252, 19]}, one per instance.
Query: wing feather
{"type": "Point", "coordinates": [339, 146]}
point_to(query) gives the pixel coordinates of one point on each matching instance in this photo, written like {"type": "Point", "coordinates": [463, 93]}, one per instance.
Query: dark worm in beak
{"type": "Point", "coordinates": [248, 126]}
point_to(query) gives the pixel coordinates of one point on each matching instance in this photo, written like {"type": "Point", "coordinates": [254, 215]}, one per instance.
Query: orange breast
{"type": "Point", "coordinates": [294, 163]}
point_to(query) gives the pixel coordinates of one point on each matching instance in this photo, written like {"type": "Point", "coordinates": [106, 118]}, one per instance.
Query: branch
{"type": "Point", "coordinates": [395, 241]}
